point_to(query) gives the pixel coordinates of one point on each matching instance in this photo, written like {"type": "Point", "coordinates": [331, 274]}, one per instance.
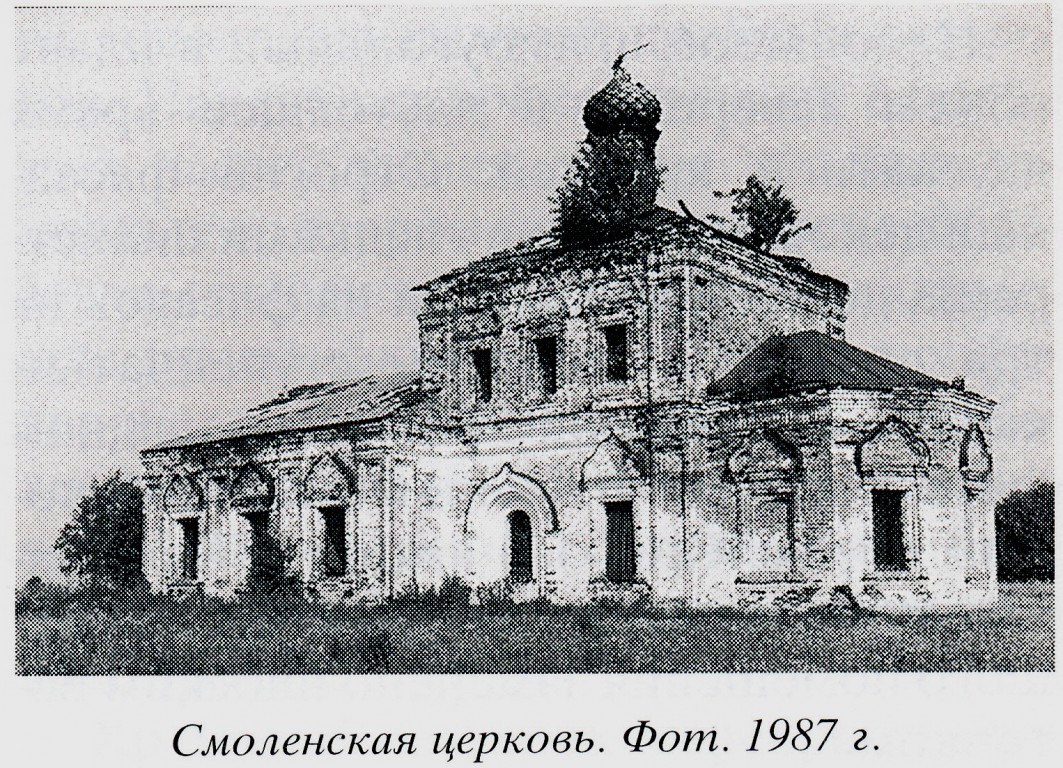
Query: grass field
{"type": "Point", "coordinates": [166, 637]}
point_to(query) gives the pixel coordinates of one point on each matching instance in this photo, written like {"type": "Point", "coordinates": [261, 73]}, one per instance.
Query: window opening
{"type": "Point", "coordinates": [334, 557]}
{"type": "Point", "coordinates": [190, 549]}
{"type": "Point", "coordinates": [620, 542]}
{"type": "Point", "coordinates": [616, 363]}
{"type": "Point", "coordinates": [481, 363]}
{"type": "Point", "coordinates": [887, 512]}
{"type": "Point", "coordinates": [546, 356]}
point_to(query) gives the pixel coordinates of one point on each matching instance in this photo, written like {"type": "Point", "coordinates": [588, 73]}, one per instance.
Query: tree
{"type": "Point", "coordinates": [1026, 534]}
{"type": "Point", "coordinates": [102, 544]}
{"type": "Point", "coordinates": [766, 214]}
{"type": "Point", "coordinates": [612, 180]}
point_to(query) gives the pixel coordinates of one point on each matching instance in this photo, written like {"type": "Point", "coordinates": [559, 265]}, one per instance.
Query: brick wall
{"type": "Point", "coordinates": [692, 312]}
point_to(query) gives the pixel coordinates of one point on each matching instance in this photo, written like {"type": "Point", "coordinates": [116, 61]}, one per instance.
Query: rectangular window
{"type": "Point", "coordinates": [334, 557]}
{"type": "Point", "coordinates": [546, 357]}
{"type": "Point", "coordinates": [767, 541]}
{"type": "Point", "coordinates": [887, 515]}
{"type": "Point", "coordinates": [481, 363]}
{"type": "Point", "coordinates": [619, 542]}
{"type": "Point", "coordinates": [615, 352]}
{"type": "Point", "coordinates": [190, 549]}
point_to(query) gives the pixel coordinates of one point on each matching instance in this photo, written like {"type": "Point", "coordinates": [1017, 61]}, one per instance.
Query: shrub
{"type": "Point", "coordinates": [452, 594]}
{"type": "Point", "coordinates": [330, 565]}
{"type": "Point", "coordinates": [414, 598]}
{"type": "Point", "coordinates": [767, 215]}
{"type": "Point", "coordinates": [270, 570]}
{"type": "Point", "coordinates": [375, 651]}
{"type": "Point", "coordinates": [497, 595]}
{"type": "Point", "coordinates": [454, 591]}
{"type": "Point", "coordinates": [1026, 534]}
{"type": "Point", "coordinates": [38, 596]}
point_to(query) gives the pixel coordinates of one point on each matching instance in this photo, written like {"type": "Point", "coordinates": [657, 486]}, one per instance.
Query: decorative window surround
{"type": "Point", "coordinates": [184, 505]}
{"type": "Point", "coordinates": [976, 469]}
{"type": "Point", "coordinates": [612, 475]}
{"type": "Point", "coordinates": [766, 469]}
{"type": "Point", "coordinates": [487, 528]}
{"type": "Point", "coordinates": [543, 385]}
{"type": "Point", "coordinates": [893, 457]}
{"type": "Point", "coordinates": [329, 485]}
{"type": "Point", "coordinates": [602, 387]}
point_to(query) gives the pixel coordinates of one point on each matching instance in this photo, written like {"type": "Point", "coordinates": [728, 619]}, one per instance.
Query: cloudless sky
{"type": "Point", "coordinates": [214, 203]}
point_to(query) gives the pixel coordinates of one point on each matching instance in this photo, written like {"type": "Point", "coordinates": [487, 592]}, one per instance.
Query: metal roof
{"type": "Point", "coordinates": [810, 360]}
{"type": "Point", "coordinates": [311, 406]}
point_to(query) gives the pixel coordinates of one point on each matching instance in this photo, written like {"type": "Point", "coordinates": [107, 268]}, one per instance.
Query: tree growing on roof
{"type": "Point", "coordinates": [612, 181]}
{"type": "Point", "coordinates": [102, 544]}
{"type": "Point", "coordinates": [614, 177]}
{"type": "Point", "coordinates": [763, 215]}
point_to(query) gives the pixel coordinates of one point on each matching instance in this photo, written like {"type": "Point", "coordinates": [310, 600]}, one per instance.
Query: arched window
{"type": "Point", "coordinates": [766, 469]}
{"type": "Point", "coordinates": [252, 496]}
{"type": "Point", "coordinates": [892, 461]}
{"type": "Point", "coordinates": [520, 547]}
{"type": "Point", "coordinates": [184, 502]}
{"type": "Point", "coordinates": [976, 466]}
{"type": "Point", "coordinates": [328, 489]}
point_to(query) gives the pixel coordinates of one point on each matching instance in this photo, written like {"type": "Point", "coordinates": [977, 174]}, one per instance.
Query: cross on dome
{"type": "Point", "coordinates": [623, 105]}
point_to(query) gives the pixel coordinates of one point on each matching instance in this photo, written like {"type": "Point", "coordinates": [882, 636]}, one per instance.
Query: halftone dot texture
{"type": "Point", "coordinates": [424, 635]}
{"type": "Point", "coordinates": [810, 360]}
{"type": "Point", "coordinates": [215, 205]}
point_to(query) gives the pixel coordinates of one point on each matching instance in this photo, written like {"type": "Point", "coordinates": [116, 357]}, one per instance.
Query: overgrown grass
{"type": "Point", "coordinates": [160, 636]}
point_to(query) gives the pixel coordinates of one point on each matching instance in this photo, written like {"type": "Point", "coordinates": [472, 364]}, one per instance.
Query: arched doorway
{"type": "Point", "coordinates": [520, 547]}
{"type": "Point", "coordinates": [507, 525]}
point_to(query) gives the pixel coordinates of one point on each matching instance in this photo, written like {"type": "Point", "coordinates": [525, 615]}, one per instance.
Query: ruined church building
{"type": "Point", "coordinates": [667, 414]}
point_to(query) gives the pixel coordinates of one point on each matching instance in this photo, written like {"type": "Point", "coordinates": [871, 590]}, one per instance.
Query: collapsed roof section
{"type": "Point", "coordinates": [313, 406]}
{"type": "Point", "coordinates": [547, 255]}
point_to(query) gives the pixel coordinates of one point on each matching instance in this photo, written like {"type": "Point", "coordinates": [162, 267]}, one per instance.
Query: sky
{"type": "Point", "coordinates": [212, 204]}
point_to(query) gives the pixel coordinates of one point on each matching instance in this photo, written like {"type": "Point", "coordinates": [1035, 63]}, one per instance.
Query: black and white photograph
{"type": "Point", "coordinates": [647, 345]}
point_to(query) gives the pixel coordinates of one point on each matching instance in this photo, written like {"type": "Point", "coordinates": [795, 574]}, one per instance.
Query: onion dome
{"type": "Point", "coordinates": [623, 105]}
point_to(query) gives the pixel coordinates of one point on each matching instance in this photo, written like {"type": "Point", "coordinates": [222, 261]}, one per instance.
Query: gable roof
{"type": "Point", "coordinates": [546, 254]}
{"type": "Point", "coordinates": [810, 360]}
{"type": "Point", "coordinates": [311, 406]}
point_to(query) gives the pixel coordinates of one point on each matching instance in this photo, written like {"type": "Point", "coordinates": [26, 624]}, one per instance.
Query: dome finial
{"type": "Point", "coordinates": [618, 65]}
{"type": "Point", "coordinates": [623, 105]}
